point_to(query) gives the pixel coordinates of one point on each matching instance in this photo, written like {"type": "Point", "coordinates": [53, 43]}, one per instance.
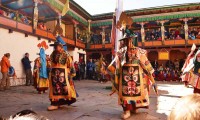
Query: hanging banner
{"type": "Point", "coordinates": [163, 55]}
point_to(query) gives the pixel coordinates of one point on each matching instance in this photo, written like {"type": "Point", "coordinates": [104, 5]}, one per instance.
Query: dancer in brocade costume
{"type": "Point", "coordinates": [131, 76]}
{"type": "Point", "coordinates": [40, 72]}
{"type": "Point", "coordinates": [62, 91]}
{"type": "Point", "coordinates": [191, 70]}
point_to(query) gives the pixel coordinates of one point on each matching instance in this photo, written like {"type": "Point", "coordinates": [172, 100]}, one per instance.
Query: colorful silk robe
{"type": "Point", "coordinates": [130, 79]}
{"type": "Point", "coordinates": [40, 83]}
{"type": "Point", "coordinates": [62, 71]}
{"type": "Point", "coordinates": [191, 70]}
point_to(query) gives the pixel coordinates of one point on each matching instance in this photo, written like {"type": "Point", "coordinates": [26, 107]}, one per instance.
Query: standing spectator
{"type": "Point", "coordinates": [82, 70]}
{"type": "Point", "coordinates": [76, 66]}
{"type": "Point", "coordinates": [166, 34]}
{"type": "Point", "coordinates": [98, 70]}
{"type": "Point", "coordinates": [148, 34]}
{"type": "Point", "coordinates": [182, 33]}
{"type": "Point", "coordinates": [176, 63]}
{"type": "Point", "coordinates": [178, 37]}
{"type": "Point", "coordinates": [90, 69]}
{"type": "Point", "coordinates": [27, 67]}
{"type": "Point", "coordinates": [161, 68]}
{"type": "Point", "coordinates": [155, 64]}
{"type": "Point", "coordinates": [177, 32]}
{"type": "Point", "coordinates": [169, 64]}
{"type": "Point", "coordinates": [192, 36]}
{"type": "Point", "coordinates": [5, 64]}
{"type": "Point", "coordinates": [161, 76]}
{"type": "Point", "coordinates": [194, 32]}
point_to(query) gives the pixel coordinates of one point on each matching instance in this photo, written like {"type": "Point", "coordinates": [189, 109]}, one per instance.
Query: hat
{"type": "Point", "coordinates": [60, 41]}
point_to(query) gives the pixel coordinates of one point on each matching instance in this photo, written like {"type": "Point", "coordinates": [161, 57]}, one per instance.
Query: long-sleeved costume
{"type": "Point", "coordinates": [41, 69]}
{"type": "Point", "coordinates": [131, 76]}
{"type": "Point", "coordinates": [191, 70]}
{"type": "Point", "coordinates": [62, 91]}
{"type": "Point", "coordinates": [41, 84]}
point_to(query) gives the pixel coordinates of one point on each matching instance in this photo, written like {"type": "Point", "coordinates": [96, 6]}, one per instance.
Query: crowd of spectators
{"type": "Point", "coordinates": [97, 38]}
{"type": "Point", "coordinates": [153, 34]}
{"type": "Point", "coordinates": [194, 33]}
{"type": "Point", "coordinates": [172, 34]}
{"type": "Point", "coordinates": [12, 15]}
{"type": "Point", "coordinates": [171, 71]}
{"type": "Point", "coordinates": [94, 69]}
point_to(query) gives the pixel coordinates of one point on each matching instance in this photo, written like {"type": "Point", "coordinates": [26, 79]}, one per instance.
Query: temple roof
{"type": "Point", "coordinates": [49, 9]}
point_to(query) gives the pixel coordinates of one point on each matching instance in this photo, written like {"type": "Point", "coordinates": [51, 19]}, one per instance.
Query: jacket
{"type": "Point", "coordinates": [5, 64]}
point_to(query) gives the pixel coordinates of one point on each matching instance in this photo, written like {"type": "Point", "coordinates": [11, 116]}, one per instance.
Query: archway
{"type": "Point", "coordinates": [152, 56]}
{"type": "Point", "coordinates": [177, 54]}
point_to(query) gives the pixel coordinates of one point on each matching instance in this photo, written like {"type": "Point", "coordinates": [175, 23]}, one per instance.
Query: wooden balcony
{"type": "Point", "coordinates": [80, 44]}
{"type": "Point", "coordinates": [41, 33]}
{"type": "Point", "coordinates": [169, 43]}
{"type": "Point", "coordinates": [197, 41]}
{"type": "Point", "coordinates": [8, 22]}
{"type": "Point", "coordinates": [69, 41]}
{"type": "Point", "coordinates": [51, 36]}
{"type": "Point", "coordinates": [101, 46]}
{"type": "Point", "coordinates": [24, 27]}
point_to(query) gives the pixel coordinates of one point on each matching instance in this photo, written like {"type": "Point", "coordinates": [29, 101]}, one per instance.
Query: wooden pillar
{"type": "Point", "coordinates": [186, 28]}
{"type": "Point", "coordinates": [162, 30]}
{"type": "Point", "coordinates": [103, 34]}
{"type": "Point", "coordinates": [142, 32]}
{"type": "Point", "coordinates": [35, 16]}
{"type": "Point", "coordinates": [75, 31]}
{"type": "Point", "coordinates": [89, 31]}
{"type": "Point", "coordinates": [75, 37]}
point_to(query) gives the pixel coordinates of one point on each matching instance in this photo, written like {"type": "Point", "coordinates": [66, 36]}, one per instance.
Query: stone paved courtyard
{"type": "Point", "coordinates": [93, 103]}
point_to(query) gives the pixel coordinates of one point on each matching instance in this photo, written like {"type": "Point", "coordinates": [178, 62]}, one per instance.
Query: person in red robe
{"type": "Point", "coordinates": [161, 76]}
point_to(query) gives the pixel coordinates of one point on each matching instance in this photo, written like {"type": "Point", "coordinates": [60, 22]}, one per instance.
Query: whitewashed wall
{"type": "Point", "coordinates": [17, 45]}
{"type": "Point", "coordinates": [75, 53]}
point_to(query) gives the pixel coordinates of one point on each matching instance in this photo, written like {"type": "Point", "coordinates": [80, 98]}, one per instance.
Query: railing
{"type": "Point", "coordinates": [101, 46]}
{"type": "Point", "coordinates": [69, 41]}
{"type": "Point", "coordinates": [10, 23]}
{"type": "Point", "coordinates": [80, 44]}
{"type": "Point", "coordinates": [181, 42]}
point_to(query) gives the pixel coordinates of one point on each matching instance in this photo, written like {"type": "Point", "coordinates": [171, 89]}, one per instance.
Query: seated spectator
{"type": "Point", "coordinates": [172, 74]}
{"type": "Point", "coordinates": [168, 76]}
{"type": "Point", "coordinates": [42, 26]}
{"type": "Point", "coordinates": [160, 39]}
{"type": "Point", "coordinates": [12, 15]}
{"type": "Point", "coordinates": [147, 37]}
{"type": "Point", "coordinates": [176, 33]}
{"type": "Point", "coordinates": [152, 37]}
{"type": "Point", "coordinates": [187, 108]}
{"type": "Point", "coordinates": [1, 12]}
{"type": "Point", "coordinates": [194, 32]}
{"type": "Point", "coordinates": [166, 34]}
{"type": "Point", "coordinates": [161, 68]}
{"type": "Point", "coordinates": [165, 74]}
{"type": "Point", "coordinates": [161, 76]}
{"type": "Point", "coordinates": [178, 37]}
{"type": "Point", "coordinates": [182, 33]}
{"type": "Point", "coordinates": [192, 36]}
{"type": "Point", "coordinates": [172, 36]}
{"type": "Point", "coordinates": [177, 76]}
